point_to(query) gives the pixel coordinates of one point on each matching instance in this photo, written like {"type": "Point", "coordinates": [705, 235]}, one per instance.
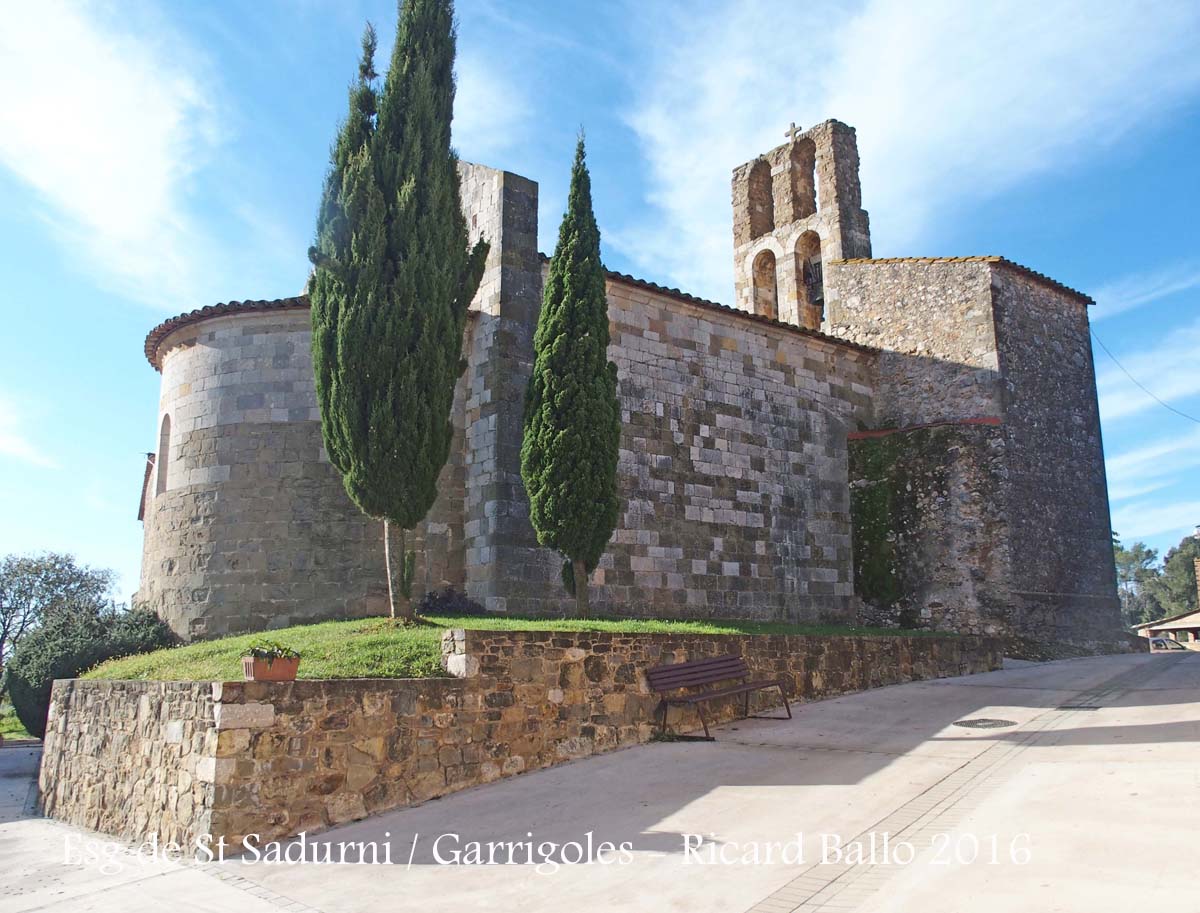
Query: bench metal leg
{"type": "Point", "coordinates": [662, 729]}
{"type": "Point", "coordinates": [703, 721]}
{"type": "Point", "coordinates": [786, 705]}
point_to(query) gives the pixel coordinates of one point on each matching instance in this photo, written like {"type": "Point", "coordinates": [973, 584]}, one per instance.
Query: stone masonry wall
{"type": "Point", "coordinates": [907, 489]}
{"type": "Point", "coordinates": [971, 338]}
{"type": "Point", "coordinates": [131, 758]}
{"type": "Point", "coordinates": [499, 541]}
{"type": "Point", "coordinates": [276, 759]}
{"type": "Point", "coordinates": [1065, 582]}
{"type": "Point", "coordinates": [732, 472]}
{"type": "Point", "coordinates": [733, 465]}
{"type": "Point", "coordinates": [932, 321]}
{"type": "Point", "coordinates": [254, 529]}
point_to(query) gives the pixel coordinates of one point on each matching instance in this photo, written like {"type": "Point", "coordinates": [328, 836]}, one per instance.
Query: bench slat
{"type": "Point", "coordinates": [724, 692]}
{"type": "Point", "coordinates": [697, 672]}
{"type": "Point", "coordinates": [711, 672]}
{"type": "Point", "coordinates": [700, 675]}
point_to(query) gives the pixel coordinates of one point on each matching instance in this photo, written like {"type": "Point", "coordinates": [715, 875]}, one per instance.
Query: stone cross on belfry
{"type": "Point", "coordinates": [792, 132]}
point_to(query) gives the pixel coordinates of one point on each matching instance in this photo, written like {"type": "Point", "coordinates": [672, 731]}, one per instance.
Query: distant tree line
{"type": "Point", "coordinates": [1151, 590]}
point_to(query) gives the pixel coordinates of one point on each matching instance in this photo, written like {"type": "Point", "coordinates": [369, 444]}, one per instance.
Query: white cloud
{"type": "Point", "coordinates": [491, 110]}
{"type": "Point", "coordinates": [954, 102]}
{"type": "Point", "coordinates": [14, 440]}
{"type": "Point", "coordinates": [1137, 290]}
{"type": "Point", "coordinates": [108, 127]}
{"type": "Point", "coordinates": [1168, 369]}
{"type": "Point", "coordinates": [1141, 520]}
{"type": "Point", "coordinates": [1152, 466]}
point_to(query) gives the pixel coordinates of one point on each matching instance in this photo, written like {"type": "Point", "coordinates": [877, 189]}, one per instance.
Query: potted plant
{"type": "Point", "coordinates": [268, 661]}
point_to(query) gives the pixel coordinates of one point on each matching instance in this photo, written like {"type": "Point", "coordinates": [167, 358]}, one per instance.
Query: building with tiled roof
{"type": "Point", "coordinates": [905, 440]}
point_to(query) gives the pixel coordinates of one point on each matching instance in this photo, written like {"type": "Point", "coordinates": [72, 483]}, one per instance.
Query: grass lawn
{"type": "Point", "coordinates": [10, 726]}
{"type": "Point", "coordinates": [378, 648]}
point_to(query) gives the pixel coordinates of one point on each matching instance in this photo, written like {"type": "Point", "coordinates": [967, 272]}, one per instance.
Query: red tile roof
{"type": "Point", "coordinates": [155, 337]}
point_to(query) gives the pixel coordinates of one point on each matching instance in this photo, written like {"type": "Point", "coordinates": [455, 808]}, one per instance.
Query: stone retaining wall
{"type": "Point", "coordinates": [129, 758]}
{"type": "Point", "coordinates": [234, 758]}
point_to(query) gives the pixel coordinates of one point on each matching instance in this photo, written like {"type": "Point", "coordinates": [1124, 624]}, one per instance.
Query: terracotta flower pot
{"type": "Point", "coordinates": [268, 670]}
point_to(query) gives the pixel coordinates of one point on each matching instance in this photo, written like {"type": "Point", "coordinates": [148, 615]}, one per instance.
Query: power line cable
{"type": "Point", "coordinates": [1138, 383]}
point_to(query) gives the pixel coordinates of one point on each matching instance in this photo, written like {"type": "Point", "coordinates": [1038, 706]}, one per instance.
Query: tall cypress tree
{"type": "Point", "coordinates": [393, 280]}
{"type": "Point", "coordinates": [572, 415]}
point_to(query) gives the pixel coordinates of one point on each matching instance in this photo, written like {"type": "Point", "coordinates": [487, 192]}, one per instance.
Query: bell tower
{"type": "Point", "coordinates": [794, 209]}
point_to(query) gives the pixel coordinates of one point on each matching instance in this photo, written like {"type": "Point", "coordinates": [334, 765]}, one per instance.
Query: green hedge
{"type": "Point", "coordinates": [69, 643]}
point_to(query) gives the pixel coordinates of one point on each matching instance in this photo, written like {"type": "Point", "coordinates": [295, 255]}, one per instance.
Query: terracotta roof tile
{"type": "Point", "coordinates": [155, 337]}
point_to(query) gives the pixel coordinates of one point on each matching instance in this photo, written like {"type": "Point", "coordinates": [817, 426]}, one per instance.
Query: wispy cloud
{"type": "Point", "coordinates": [1140, 289]}
{"type": "Point", "coordinates": [1168, 369]}
{"type": "Point", "coordinates": [15, 442]}
{"type": "Point", "coordinates": [1142, 520]}
{"type": "Point", "coordinates": [953, 102]}
{"type": "Point", "coordinates": [108, 127]}
{"type": "Point", "coordinates": [491, 109]}
{"type": "Point", "coordinates": [1152, 466]}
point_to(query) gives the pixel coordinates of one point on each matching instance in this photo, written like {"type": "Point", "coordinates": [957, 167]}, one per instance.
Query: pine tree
{"type": "Point", "coordinates": [572, 415]}
{"type": "Point", "coordinates": [1175, 587]}
{"type": "Point", "coordinates": [393, 280]}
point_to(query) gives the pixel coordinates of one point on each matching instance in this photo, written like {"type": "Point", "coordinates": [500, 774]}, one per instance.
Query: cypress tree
{"type": "Point", "coordinates": [393, 280]}
{"type": "Point", "coordinates": [572, 416]}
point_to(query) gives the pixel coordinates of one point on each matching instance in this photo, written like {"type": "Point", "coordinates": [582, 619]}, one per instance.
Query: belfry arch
{"type": "Point", "coordinates": [761, 200]}
{"type": "Point", "coordinates": [766, 285]}
{"type": "Point", "coordinates": [810, 280]}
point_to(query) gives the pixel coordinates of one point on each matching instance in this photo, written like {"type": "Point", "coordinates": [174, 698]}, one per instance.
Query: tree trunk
{"type": "Point", "coordinates": [395, 560]}
{"type": "Point", "coordinates": [581, 589]}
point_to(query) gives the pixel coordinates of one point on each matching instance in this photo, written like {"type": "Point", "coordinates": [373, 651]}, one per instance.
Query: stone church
{"type": "Point", "coordinates": [910, 440]}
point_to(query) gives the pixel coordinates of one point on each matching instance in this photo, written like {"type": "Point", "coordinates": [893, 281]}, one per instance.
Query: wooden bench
{"type": "Point", "coordinates": [700, 673]}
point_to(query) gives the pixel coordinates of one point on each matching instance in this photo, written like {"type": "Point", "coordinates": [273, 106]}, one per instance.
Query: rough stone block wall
{"type": "Point", "coordinates": [933, 322]}
{"type": "Point", "coordinates": [499, 540]}
{"type": "Point", "coordinates": [732, 473]}
{"type": "Point", "coordinates": [733, 465]}
{"type": "Point", "coordinates": [971, 338]}
{"type": "Point", "coordinates": [908, 489]}
{"type": "Point", "coordinates": [131, 758]}
{"type": "Point", "coordinates": [1065, 580]}
{"type": "Point", "coordinates": [275, 759]}
{"type": "Point", "coordinates": [439, 541]}
{"type": "Point", "coordinates": [254, 529]}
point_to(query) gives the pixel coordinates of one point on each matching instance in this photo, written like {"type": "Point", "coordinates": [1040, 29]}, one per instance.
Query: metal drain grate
{"type": "Point", "coordinates": [1078, 707]}
{"type": "Point", "coordinates": [984, 723]}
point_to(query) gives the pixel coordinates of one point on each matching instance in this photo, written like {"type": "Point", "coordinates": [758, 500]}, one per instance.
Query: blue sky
{"type": "Point", "coordinates": [156, 157]}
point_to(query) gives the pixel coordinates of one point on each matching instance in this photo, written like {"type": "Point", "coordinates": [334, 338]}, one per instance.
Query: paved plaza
{"type": "Point", "coordinates": [1086, 800]}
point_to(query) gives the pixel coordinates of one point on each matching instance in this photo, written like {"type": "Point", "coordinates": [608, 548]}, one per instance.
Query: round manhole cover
{"type": "Point", "coordinates": [984, 723]}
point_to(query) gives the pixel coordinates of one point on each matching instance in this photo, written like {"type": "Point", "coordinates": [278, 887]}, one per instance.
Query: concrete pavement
{"type": "Point", "coordinates": [1087, 800]}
